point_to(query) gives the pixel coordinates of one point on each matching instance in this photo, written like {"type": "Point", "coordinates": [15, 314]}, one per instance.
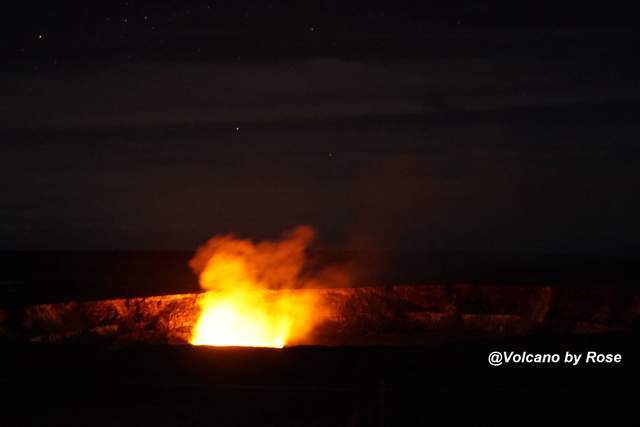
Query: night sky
{"type": "Point", "coordinates": [443, 126]}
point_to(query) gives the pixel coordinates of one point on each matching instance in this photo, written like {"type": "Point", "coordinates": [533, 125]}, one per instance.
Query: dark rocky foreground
{"type": "Point", "coordinates": [104, 363]}
{"type": "Point", "coordinates": [404, 315]}
{"type": "Point", "coordinates": [439, 384]}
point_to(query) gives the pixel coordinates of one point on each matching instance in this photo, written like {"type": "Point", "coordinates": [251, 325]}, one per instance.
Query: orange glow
{"type": "Point", "coordinates": [254, 296]}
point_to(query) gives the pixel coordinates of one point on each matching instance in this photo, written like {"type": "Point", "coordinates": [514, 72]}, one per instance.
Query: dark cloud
{"type": "Point", "coordinates": [116, 95]}
{"type": "Point", "coordinates": [480, 153]}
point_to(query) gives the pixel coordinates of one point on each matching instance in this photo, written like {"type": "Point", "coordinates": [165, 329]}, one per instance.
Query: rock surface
{"type": "Point", "coordinates": [400, 314]}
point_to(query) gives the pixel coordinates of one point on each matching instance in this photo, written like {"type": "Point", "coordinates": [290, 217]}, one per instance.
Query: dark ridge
{"type": "Point", "coordinates": [46, 277]}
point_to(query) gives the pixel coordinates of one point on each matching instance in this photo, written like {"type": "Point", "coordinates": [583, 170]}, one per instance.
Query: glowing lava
{"type": "Point", "coordinates": [254, 296]}
{"type": "Point", "coordinates": [253, 318]}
